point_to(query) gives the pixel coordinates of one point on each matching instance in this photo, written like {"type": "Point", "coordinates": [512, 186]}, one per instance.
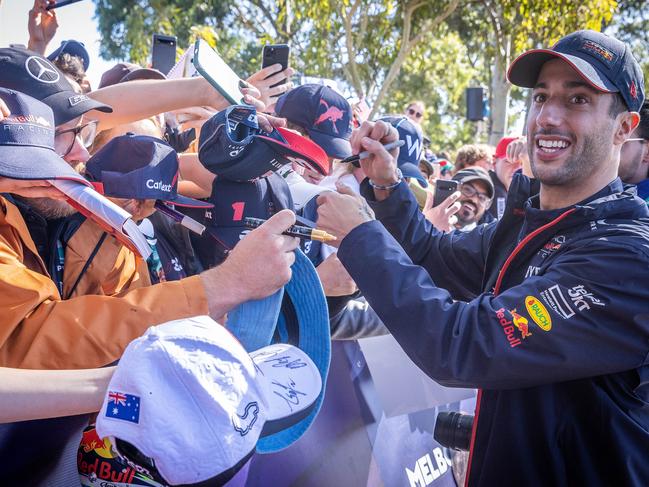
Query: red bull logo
{"type": "Point", "coordinates": [333, 114]}
{"type": "Point", "coordinates": [90, 441]}
{"type": "Point", "coordinates": [508, 328]}
{"type": "Point", "coordinates": [521, 323]}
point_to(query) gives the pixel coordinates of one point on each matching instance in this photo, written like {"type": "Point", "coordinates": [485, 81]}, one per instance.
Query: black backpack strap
{"type": "Point", "coordinates": [86, 265]}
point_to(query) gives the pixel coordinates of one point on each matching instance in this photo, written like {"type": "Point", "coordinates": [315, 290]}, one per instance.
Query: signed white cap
{"type": "Point", "coordinates": [187, 404]}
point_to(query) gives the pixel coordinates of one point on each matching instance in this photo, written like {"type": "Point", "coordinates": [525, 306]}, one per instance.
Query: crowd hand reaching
{"type": "Point", "coordinates": [264, 80]}
{"type": "Point", "coordinates": [30, 189]}
{"type": "Point", "coordinates": [442, 216]}
{"type": "Point", "coordinates": [340, 212]}
{"type": "Point", "coordinates": [335, 279]}
{"type": "Point", "coordinates": [42, 26]}
{"type": "Point", "coordinates": [258, 266]}
{"type": "Point", "coordinates": [193, 117]}
{"type": "Point", "coordinates": [517, 152]}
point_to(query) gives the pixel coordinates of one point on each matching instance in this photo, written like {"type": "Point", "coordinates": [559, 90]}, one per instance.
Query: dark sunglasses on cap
{"type": "Point", "coordinates": [64, 139]}
{"type": "Point", "coordinates": [415, 113]}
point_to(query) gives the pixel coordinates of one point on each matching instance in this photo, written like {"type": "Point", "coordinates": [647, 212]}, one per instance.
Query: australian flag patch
{"type": "Point", "coordinates": [123, 406]}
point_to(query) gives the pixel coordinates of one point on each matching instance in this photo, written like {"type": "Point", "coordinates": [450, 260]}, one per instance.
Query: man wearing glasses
{"type": "Point", "coordinates": [415, 111]}
{"type": "Point", "coordinates": [476, 194]}
{"type": "Point", "coordinates": [634, 156]}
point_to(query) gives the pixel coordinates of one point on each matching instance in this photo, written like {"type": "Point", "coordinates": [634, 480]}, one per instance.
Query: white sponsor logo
{"type": "Point", "coordinates": [176, 263]}
{"type": "Point", "coordinates": [413, 146]}
{"type": "Point", "coordinates": [235, 150]}
{"type": "Point", "coordinates": [426, 471]}
{"type": "Point", "coordinates": [41, 70]}
{"type": "Point", "coordinates": [582, 298]}
{"type": "Point", "coordinates": [554, 298]}
{"type": "Point", "coordinates": [75, 100]}
{"type": "Point", "coordinates": [151, 184]}
{"type": "Point", "coordinates": [532, 271]}
{"type": "Point", "coordinates": [208, 214]}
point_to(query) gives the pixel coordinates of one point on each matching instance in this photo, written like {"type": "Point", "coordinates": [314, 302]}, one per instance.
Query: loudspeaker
{"type": "Point", "coordinates": [474, 104]}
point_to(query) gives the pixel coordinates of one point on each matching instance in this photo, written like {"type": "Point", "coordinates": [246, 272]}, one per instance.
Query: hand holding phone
{"type": "Point", "coordinates": [275, 54]}
{"type": "Point", "coordinates": [215, 70]}
{"type": "Point", "coordinates": [444, 189]}
{"type": "Point", "coordinates": [442, 214]}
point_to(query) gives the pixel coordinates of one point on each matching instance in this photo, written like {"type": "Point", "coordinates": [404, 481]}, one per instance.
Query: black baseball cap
{"type": "Point", "coordinates": [325, 114]}
{"type": "Point", "coordinates": [475, 174]}
{"type": "Point", "coordinates": [36, 76]}
{"type": "Point", "coordinates": [141, 167]}
{"type": "Point", "coordinates": [122, 72]}
{"type": "Point", "coordinates": [234, 147]}
{"type": "Point", "coordinates": [604, 62]}
{"type": "Point", "coordinates": [27, 141]}
{"type": "Point", "coordinates": [233, 201]}
{"type": "Point", "coordinates": [74, 48]}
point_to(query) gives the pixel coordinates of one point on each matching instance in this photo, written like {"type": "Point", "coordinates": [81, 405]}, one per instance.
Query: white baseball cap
{"type": "Point", "coordinates": [187, 404]}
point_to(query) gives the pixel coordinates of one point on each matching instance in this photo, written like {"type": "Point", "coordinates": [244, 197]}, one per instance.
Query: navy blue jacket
{"type": "Point", "coordinates": [546, 311]}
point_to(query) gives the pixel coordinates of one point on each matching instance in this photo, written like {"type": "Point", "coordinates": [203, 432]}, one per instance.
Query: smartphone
{"type": "Point", "coordinates": [62, 3]}
{"type": "Point", "coordinates": [275, 54]}
{"type": "Point", "coordinates": [215, 70]}
{"type": "Point", "coordinates": [444, 189]}
{"type": "Point", "coordinates": [163, 53]}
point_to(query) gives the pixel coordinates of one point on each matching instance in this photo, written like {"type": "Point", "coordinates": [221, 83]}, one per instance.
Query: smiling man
{"type": "Point", "coordinates": [546, 310]}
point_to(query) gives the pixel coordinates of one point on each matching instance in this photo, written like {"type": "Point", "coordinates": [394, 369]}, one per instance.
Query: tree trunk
{"type": "Point", "coordinates": [499, 97]}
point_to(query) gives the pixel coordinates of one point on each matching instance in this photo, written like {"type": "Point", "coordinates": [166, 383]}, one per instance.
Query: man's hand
{"type": "Point", "coordinates": [517, 154]}
{"type": "Point", "coordinates": [267, 77]}
{"type": "Point", "coordinates": [42, 26]}
{"type": "Point", "coordinates": [257, 267]}
{"type": "Point", "coordinates": [4, 110]}
{"type": "Point", "coordinates": [30, 189]}
{"type": "Point", "coordinates": [381, 165]}
{"type": "Point", "coordinates": [335, 279]}
{"type": "Point", "coordinates": [442, 216]}
{"type": "Point", "coordinates": [339, 213]}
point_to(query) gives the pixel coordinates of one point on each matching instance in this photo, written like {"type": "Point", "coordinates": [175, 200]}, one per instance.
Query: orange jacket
{"type": "Point", "coordinates": [39, 330]}
{"type": "Point", "coordinates": [113, 270]}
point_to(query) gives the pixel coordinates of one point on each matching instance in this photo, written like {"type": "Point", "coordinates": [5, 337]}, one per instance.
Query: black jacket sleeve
{"type": "Point", "coordinates": [454, 260]}
{"type": "Point", "coordinates": [567, 324]}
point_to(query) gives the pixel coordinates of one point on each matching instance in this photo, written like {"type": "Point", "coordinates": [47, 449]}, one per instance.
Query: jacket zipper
{"type": "Point", "coordinates": [501, 275]}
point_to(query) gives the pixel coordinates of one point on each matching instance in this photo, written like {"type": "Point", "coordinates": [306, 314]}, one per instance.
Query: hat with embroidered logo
{"type": "Point", "coordinates": [603, 62]}
{"type": "Point", "coordinates": [234, 147]}
{"type": "Point", "coordinates": [410, 152]}
{"type": "Point", "coordinates": [325, 114]}
{"type": "Point", "coordinates": [74, 48]}
{"type": "Point", "coordinates": [27, 141]}
{"type": "Point", "coordinates": [188, 404]}
{"type": "Point", "coordinates": [139, 167]}
{"type": "Point", "coordinates": [30, 73]}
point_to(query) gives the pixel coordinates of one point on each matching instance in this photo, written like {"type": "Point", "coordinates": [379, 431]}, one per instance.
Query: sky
{"type": "Point", "coordinates": [76, 21]}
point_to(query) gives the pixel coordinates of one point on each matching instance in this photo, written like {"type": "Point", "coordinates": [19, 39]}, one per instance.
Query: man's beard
{"type": "Point", "coordinates": [576, 167]}
{"type": "Point", "coordinates": [48, 208]}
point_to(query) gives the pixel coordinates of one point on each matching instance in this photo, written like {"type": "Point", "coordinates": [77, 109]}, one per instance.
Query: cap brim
{"type": "Point", "coordinates": [409, 170]}
{"type": "Point", "coordinates": [35, 163]}
{"type": "Point", "coordinates": [334, 146]}
{"type": "Point", "coordinates": [65, 109]}
{"type": "Point", "coordinates": [188, 202]}
{"type": "Point", "coordinates": [525, 69]}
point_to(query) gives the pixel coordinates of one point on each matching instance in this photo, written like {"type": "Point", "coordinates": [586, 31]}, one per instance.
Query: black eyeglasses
{"type": "Point", "coordinates": [415, 113]}
{"type": "Point", "coordinates": [469, 191]}
{"type": "Point", "coordinates": [64, 139]}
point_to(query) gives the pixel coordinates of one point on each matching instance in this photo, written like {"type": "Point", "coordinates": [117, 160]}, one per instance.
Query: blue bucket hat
{"type": "Point", "coordinates": [255, 324]}
{"type": "Point", "coordinates": [234, 147]}
{"type": "Point", "coordinates": [74, 48]}
{"type": "Point", "coordinates": [604, 62]}
{"type": "Point", "coordinates": [410, 152]}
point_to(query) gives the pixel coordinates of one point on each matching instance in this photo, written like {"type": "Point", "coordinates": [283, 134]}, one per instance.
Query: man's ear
{"type": "Point", "coordinates": [628, 121]}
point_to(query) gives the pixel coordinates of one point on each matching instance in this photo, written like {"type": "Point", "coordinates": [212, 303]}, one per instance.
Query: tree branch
{"type": "Point", "coordinates": [351, 49]}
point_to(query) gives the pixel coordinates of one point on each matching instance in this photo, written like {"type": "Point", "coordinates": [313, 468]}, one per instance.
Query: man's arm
{"type": "Point", "coordinates": [39, 330]}
{"type": "Point", "coordinates": [515, 339]}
